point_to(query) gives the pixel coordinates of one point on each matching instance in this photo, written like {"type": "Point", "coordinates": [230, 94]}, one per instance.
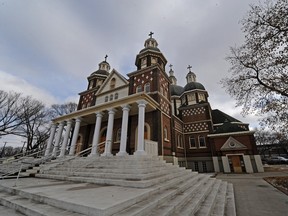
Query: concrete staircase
{"type": "Point", "coordinates": [120, 186]}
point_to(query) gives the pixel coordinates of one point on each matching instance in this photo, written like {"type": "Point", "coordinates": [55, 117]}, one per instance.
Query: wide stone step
{"type": "Point", "coordinates": [181, 198]}
{"type": "Point", "coordinates": [230, 207]}
{"type": "Point", "coordinates": [191, 206]}
{"type": "Point", "coordinates": [30, 207]}
{"type": "Point", "coordinates": [125, 182]}
{"type": "Point", "coordinates": [119, 165]}
{"type": "Point", "coordinates": [6, 211]}
{"type": "Point", "coordinates": [126, 174]}
{"type": "Point", "coordinates": [220, 200]}
{"type": "Point", "coordinates": [210, 201]}
{"type": "Point", "coordinates": [115, 170]}
{"type": "Point", "coordinates": [146, 206]}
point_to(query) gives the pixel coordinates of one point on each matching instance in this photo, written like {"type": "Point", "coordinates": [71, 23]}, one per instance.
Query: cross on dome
{"type": "Point", "coordinates": [106, 57]}
{"type": "Point", "coordinates": [170, 66]}
{"type": "Point", "coordinates": [189, 68]}
{"type": "Point", "coordinates": [150, 34]}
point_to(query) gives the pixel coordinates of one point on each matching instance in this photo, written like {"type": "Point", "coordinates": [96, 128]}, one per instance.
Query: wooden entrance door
{"type": "Point", "coordinates": [236, 163]}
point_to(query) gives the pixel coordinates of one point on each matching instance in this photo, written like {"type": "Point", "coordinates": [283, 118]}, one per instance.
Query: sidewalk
{"type": "Point", "coordinates": [255, 197]}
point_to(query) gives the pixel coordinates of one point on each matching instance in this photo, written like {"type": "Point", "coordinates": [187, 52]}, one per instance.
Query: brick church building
{"type": "Point", "coordinates": [148, 113]}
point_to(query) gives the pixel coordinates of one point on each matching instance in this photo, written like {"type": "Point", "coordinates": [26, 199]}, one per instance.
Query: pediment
{"type": "Point", "coordinates": [232, 144]}
{"type": "Point", "coordinates": [119, 81]}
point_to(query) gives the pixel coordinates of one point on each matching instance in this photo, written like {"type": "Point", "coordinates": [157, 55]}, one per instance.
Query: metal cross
{"type": "Point", "coordinates": [151, 33]}
{"type": "Point", "coordinates": [106, 57]}
{"type": "Point", "coordinates": [189, 68]}
{"type": "Point", "coordinates": [170, 66]}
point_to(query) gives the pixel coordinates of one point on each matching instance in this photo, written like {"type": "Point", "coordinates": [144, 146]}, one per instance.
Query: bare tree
{"type": "Point", "coordinates": [9, 112]}
{"type": "Point", "coordinates": [62, 109]}
{"type": "Point", "coordinates": [259, 67]}
{"type": "Point", "coordinates": [34, 117]}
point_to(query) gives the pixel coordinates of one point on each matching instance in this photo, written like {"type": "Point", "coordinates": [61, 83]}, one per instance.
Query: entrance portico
{"type": "Point", "coordinates": [122, 109]}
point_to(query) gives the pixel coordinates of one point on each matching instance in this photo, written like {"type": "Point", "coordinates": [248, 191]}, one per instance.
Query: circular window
{"type": "Point", "coordinates": [232, 144]}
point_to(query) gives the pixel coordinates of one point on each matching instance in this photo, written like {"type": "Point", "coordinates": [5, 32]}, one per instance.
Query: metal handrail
{"type": "Point", "coordinates": [39, 161]}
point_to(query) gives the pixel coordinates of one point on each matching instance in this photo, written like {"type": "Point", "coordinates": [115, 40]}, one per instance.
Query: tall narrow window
{"type": "Point", "coordinates": [116, 96]}
{"type": "Point", "coordinates": [139, 88]}
{"type": "Point", "coordinates": [165, 134]}
{"type": "Point", "coordinates": [192, 142]}
{"type": "Point", "coordinates": [112, 83]}
{"type": "Point", "coordinates": [202, 143]}
{"type": "Point", "coordinates": [106, 98]}
{"type": "Point", "coordinates": [111, 97]}
{"type": "Point", "coordinates": [147, 87]}
{"type": "Point", "coordinates": [143, 62]}
{"type": "Point", "coordinates": [201, 97]}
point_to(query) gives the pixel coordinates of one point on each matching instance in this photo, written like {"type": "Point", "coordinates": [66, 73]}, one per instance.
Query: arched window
{"type": "Point", "coordinates": [112, 83]}
{"type": "Point", "coordinates": [111, 97]}
{"type": "Point", "coordinates": [147, 87]}
{"type": "Point", "coordinates": [103, 135]}
{"type": "Point", "coordinates": [116, 96]}
{"type": "Point", "coordinates": [118, 135]}
{"type": "Point", "coordinates": [165, 134]}
{"type": "Point", "coordinates": [106, 99]}
{"type": "Point", "coordinates": [139, 88]}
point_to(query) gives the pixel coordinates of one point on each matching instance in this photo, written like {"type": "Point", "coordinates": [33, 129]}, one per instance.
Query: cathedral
{"type": "Point", "coordinates": [147, 113]}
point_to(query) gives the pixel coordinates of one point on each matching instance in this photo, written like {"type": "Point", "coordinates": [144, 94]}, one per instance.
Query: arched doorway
{"type": "Point", "coordinates": [79, 144]}
{"type": "Point", "coordinates": [147, 134]}
{"type": "Point", "coordinates": [101, 145]}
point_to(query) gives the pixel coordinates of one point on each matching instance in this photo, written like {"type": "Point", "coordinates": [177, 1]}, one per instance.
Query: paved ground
{"type": "Point", "coordinates": [255, 197]}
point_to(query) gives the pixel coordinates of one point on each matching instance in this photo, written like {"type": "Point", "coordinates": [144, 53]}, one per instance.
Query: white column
{"type": "Point", "coordinates": [75, 137]}
{"type": "Point", "coordinates": [141, 123]}
{"type": "Point", "coordinates": [109, 139]}
{"type": "Point", "coordinates": [58, 138]}
{"type": "Point", "coordinates": [96, 135]}
{"type": "Point", "coordinates": [225, 163]}
{"type": "Point", "coordinates": [51, 138]}
{"type": "Point", "coordinates": [248, 164]}
{"type": "Point", "coordinates": [259, 164]}
{"type": "Point", "coordinates": [123, 140]}
{"type": "Point", "coordinates": [66, 138]}
{"type": "Point", "coordinates": [216, 164]}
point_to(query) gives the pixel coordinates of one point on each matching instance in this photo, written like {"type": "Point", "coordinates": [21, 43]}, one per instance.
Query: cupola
{"type": "Point", "coordinates": [150, 55]}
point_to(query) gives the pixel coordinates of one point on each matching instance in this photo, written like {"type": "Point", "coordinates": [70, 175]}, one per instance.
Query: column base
{"type": "Point", "coordinates": [94, 155]}
{"type": "Point", "coordinates": [106, 154]}
{"type": "Point", "coordinates": [140, 152]}
{"type": "Point", "coordinates": [122, 154]}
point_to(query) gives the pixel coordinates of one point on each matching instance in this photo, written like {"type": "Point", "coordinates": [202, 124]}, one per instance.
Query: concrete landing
{"type": "Point", "coordinates": [88, 197]}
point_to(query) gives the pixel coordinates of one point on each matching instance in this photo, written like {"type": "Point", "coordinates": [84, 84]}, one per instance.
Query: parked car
{"type": "Point", "coordinates": [277, 160]}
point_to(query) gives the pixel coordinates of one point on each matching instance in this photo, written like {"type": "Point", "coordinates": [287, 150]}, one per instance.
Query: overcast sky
{"type": "Point", "coordinates": [49, 47]}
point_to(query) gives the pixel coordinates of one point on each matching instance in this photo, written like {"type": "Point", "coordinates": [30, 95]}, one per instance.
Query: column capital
{"type": "Point", "coordinates": [69, 121]}
{"type": "Point", "coordinates": [78, 119]}
{"type": "Point", "coordinates": [111, 110]}
{"type": "Point", "coordinates": [126, 107]}
{"type": "Point", "coordinates": [142, 103]}
{"type": "Point", "coordinates": [62, 123]}
{"type": "Point", "coordinates": [99, 114]}
{"type": "Point", "coordinates": [53, 125]}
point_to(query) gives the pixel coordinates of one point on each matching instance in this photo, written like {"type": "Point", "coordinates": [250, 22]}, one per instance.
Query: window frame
{"type": "Point", "coordinates": [195, 144]}
{"type": "Point", "coordinates": [201, 137]}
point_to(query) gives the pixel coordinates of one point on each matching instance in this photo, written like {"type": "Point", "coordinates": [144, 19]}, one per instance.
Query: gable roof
{"type": "Point", "coordinates": [112, 74]}
{"type": "Point", "coordinates": [232, 144]}
{"type": "Point", "coordinates": [221, 117]}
